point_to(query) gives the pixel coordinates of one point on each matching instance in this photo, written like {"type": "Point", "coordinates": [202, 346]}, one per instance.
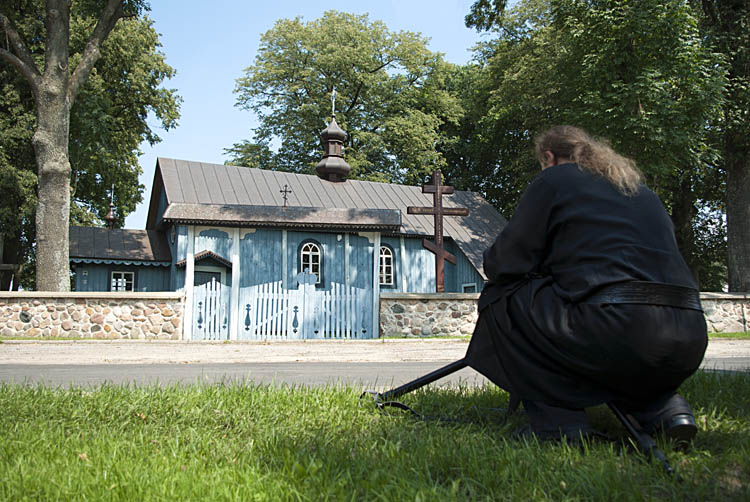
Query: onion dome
{"type": "Point", "coordinates": [332, 166]}
{"type": "Point", "coordinates": [111, 219]}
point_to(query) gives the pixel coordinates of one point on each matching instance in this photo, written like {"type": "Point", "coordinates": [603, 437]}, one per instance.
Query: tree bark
{"type": "Point", "coordinates": [51, 148]}
{"type": "Point", "coordinates": [53, 207]}
{"type": "Point", "coordinates": [683, 213]}
{"type": "Point", "coordinates": [738, 218]}
{"type": "Point", "coordinates": [54, 91]}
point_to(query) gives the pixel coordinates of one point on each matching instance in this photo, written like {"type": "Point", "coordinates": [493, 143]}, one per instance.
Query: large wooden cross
{"type": "Point", "coordinates": [437, 189]}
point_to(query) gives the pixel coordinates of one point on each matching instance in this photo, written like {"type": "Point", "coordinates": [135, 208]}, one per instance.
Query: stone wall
{"type": "Point", "coordinates": [726, 312]}
{"type": "Point", "coordinates": [92, 315]}
{"type": "Point", "coordinates": [433, 314]}
{"type": "Point", "coordinates": [427, 314]}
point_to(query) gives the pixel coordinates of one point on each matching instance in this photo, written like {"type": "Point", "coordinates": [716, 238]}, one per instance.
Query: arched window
{"type": "Point", "coordinates": [386, 266]}
{"type": "Point", "coordinates": [311, 260]}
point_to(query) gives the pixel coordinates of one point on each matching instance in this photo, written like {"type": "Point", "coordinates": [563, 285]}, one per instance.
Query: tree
{"type": "Point", "coordinates": [726, 27]}
{"type": "Point", "coordinates": [636, 73]}
{"type": "Point", "coordinates": [87, 121]}
{"type": "Point", "coordinates": [388, 97]}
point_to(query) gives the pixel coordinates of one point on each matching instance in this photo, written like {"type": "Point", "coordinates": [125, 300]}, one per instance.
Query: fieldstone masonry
{"type": "Point", "coordinates": [92, 315]}
{"type": "Point", "coordinates": [726, 312]}
{"type": "Point", "coordinates": [160, 315]}
{"type": "Point", "coordinates": [431, 314]}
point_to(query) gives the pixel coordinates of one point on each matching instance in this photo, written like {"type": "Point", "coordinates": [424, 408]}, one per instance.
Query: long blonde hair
{"type": "Point", "coordinates": [570, 142]}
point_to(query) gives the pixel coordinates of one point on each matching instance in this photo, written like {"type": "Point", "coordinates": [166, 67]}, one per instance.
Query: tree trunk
{"type": "Point", "coordinates": [683, 213]}
{"type": "Point", "coordinates": [738, 218]}
{"type": "Point", "coordinates": [53, 208]}
{"type": "Point", "coordinates": [10, 253]}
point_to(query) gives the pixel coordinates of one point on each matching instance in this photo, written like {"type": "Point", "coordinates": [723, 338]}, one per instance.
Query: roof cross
{"type": "Point", "coordinates": [437, 189]}
{"type": "Point", "coordinates": [285, 193]}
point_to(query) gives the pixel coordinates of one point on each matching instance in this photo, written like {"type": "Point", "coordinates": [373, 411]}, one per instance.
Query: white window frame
{"type": "Point", "coordinates": [122, 283]}
{"type": "Point", "coordinates": [307, 253]}
{"type": "Point", "coordinates": [386, 277]}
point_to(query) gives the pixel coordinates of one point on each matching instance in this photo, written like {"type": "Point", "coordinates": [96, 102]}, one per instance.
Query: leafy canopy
{"type": "Point", "coordinates": [636, 73]}
{"type": "Point", "coordinates": [108, 122]}
{"type": "Point", "coordinates": [389, 97]}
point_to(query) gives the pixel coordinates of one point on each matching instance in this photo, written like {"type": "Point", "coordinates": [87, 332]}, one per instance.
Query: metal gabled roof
{"type": "Point", "coordinates": [199, 188]}
{"type": "Point", "coordinates": [102, 245]}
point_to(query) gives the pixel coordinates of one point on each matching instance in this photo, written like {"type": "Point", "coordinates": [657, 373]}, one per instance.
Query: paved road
{"type": "Point", "coordinates": [379, 376]}
{"type": "Point", "coordinates": [376, 364]}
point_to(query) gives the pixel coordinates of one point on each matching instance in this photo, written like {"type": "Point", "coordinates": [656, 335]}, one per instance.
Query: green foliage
{"type": "Point", "coordinates": [245, 442]}
{"type": "Point", "coordinates": [636, 73]}
{"type": "Point", "coordinates": [389, 96]}
{"type": "Point", "coordinates": [484, 14]}
{"type": "Point", "coordinates": [248, 154]}
{"type": "Point", "coordinates": [725, 27]}
{"type": "Point", "coordinates": [108, 122]}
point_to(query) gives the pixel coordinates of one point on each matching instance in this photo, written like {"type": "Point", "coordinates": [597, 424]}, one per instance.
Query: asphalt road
{"type": "Point", "coordinates": [367, 374]}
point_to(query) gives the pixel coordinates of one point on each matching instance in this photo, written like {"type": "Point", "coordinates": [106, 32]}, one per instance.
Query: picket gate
{"type": "Point", "coordinates": [269, 312]}
{"type": "Point", "coordinates": [211, 311]}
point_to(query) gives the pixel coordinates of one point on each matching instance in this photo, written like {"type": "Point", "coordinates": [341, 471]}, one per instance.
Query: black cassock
{"type": "Point", "coordinates": [571, 234]}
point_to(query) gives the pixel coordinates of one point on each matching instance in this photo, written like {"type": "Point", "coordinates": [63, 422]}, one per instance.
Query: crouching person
{"type": "Point", "coordinates": [589, 300]}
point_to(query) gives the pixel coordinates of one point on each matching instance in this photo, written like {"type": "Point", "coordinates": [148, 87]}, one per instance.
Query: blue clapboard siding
{"type": "Point", "coordinates": [419, 267]}
{"type": "Point", "coordinates": [463, 273]}
{"type": "Point", "coordinates": [214, 240]}
{"type": "Point", "coordinates": [395, 244]}
{"type": "Point", "coordinates": [179, 253]}
{"type": "Point", "coordinates": [332, 246]}
{"type": "Point", "coordinates": [261, 259]}
{"type": "Point", "coordinates": [260, 256]}
{"type": "Point", "coordinates": [96, 277]}
{"type": "Point", "coordinates": [360, 261]}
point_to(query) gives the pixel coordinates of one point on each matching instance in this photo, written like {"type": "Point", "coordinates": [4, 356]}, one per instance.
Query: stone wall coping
{"type": "Point", "coordinates": [724, 296]}
{"type": "Point", "coordinates": [429, 296]}
{"type": "Point", "coordinates": [107, 295]}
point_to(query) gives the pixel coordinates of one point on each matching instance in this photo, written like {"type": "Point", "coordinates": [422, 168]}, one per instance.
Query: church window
{"type": "Point", "coordinates": [311, 259]}
{"type": "Point", "coordinates": [386, 266]}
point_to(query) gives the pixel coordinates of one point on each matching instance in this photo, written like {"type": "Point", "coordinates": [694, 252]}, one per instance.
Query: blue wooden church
{"type": "Point", "coordinates": [268, 255]}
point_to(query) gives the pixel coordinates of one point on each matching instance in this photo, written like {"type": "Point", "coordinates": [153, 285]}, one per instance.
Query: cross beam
{"type": "Point", "coordinates": [437, 189]}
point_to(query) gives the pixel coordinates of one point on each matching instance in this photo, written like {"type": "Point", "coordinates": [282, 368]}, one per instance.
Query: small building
{"type": "Point", "coordinates": [269, 254]}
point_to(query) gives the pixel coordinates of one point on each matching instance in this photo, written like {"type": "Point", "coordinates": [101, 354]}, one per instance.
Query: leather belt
{"type": "Point", "coordinates": [647, 293]}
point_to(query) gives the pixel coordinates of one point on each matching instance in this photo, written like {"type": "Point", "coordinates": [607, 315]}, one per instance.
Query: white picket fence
{"type": "Point", "coordinates": [270, 312]}
{"type": "Point", "coordinates": [211, 311]}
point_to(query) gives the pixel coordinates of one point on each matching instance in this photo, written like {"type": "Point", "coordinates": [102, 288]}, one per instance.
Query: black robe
{"type": "Point", "coordinates": [571, 234]}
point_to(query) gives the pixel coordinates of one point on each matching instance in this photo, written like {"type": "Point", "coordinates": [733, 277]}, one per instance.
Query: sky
{"type": "Point", "coordinates": [210, 43]}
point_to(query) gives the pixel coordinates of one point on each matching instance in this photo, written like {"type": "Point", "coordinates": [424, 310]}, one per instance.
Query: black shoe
{"type": "Point", "coordinates": [681, 429]}
{"type": "Point", "coordinates": [669, 415]}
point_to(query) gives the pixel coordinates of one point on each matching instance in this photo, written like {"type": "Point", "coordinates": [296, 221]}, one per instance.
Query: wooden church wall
{"type": "Point", "coordinates": [96, 277]}
{"type": "Point", "coordinates": [463, 273]}
{"type": "Point", "coordinates": [214, 240]}
{"type": "Point", "coordinates": [261, 259]}
{"type": "Point", "coordinates": [260, 256]}
{"type": "Point", "coordinates": [360, 261]}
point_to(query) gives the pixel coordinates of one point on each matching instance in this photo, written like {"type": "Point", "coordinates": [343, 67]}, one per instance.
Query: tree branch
{"type": "Point", "coordinates": [110, 15]}
{"type": "Point", "coordinates": [20, 57]}
{"type": "Point", "coordinates": [354, 99]}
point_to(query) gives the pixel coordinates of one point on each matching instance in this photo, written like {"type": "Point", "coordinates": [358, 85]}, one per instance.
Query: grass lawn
{"type": "Point", "coordinates": [266, 443]}
{"type": "Point", "coordinates": [738, 336]}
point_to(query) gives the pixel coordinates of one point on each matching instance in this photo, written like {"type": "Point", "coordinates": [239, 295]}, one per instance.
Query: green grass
{"type": "Point", "coordinates": [737, 336]}
{"type": "Point", "coordinates": [267, 443]}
